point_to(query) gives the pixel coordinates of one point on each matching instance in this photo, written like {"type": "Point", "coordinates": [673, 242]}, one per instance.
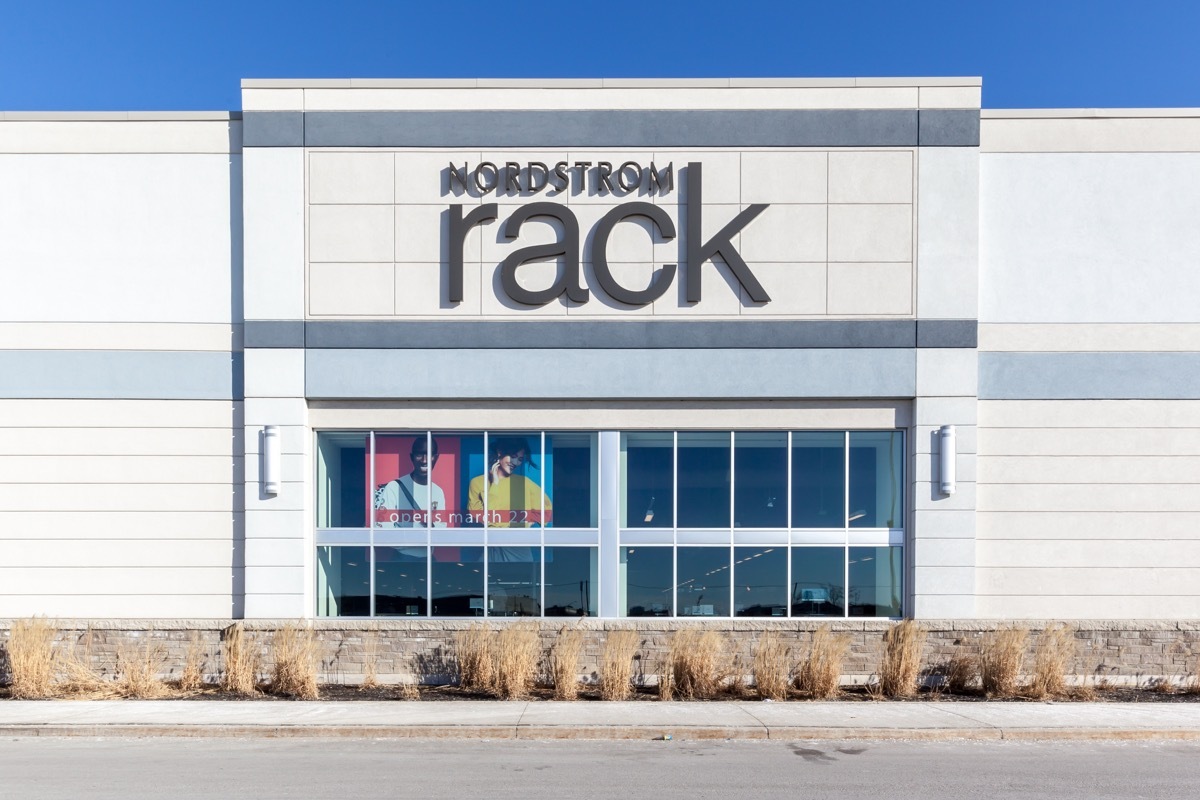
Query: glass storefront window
{"type": "Point", "coordinates": [648, 480]}
{"type": "Point", "coordinates": [457, 581]}
{"type": "Point", "coordinates": [875, 581]}
{"type": "Point", "coordinates": [400, 582]}
{"type": "Point", "coordinates": [818, 479]}
{"type": "Point", "coordinates": [760, 480]}
{"type": "Point", "coordinates": [571, 581]}
{"type": "Point", "coordinates": [343, 582]}
{"type": "Point", "coordinates": [647, 582]}
{"type": "Point", "coordinates": [703, 575]}
{"type": "Point", "coordinates": [514, 582]}
{"type": "Point", "coordinates": [760, 581]}
{"type": "Point", "coordinates": [818, 581]}
{"type": "Point", "coordinates": [703, 464]}
{"type": "Point", "coordinates": [508, 492]}
{"type": "Point", "coordinates": [342, 480]}
{"type": "Point", "coordinates": [460, 458]}
{"type": "Point", "coordinates": [876, 467]}
{"type": "Point", "coordinates": [571, 468]}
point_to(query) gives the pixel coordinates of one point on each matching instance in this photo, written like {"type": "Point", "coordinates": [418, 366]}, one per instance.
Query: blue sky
{"type": "Point", "coordinates": [191, 54]}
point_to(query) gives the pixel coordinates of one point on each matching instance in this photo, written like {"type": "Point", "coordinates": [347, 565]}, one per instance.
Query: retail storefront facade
{"type": "Point", "coordinates": [619, 349]}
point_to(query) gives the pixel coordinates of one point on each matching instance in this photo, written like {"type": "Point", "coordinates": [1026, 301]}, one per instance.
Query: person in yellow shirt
{"type": "Point", "coordinates": [513, 500]}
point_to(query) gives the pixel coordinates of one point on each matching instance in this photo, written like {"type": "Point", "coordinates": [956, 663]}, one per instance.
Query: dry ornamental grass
{"type": "Point", "coordinates": [698, 665]}
{"type": "Point", "coordinates": [139, 667]}
{"type": "Point", "coordinates": [370, 661]}
{"type": "Point", "coordinates": [241, 661]}
{"type": "Point", "coordinates": [901, 662]}
{"type": "Point", "coordinates": [517, 649]}
{"type": "Point", "coordinates": [1053, 656]}
{"type": "Point", "coordinates": [819, 675]}
{"type": "Point", "coordinates": [191, 680]}
{"type": "Point", "coordinates": [31, 658]}
{"type": "Point", "coordinates": [960, 672]}
{"type": "Point", "coordinates": [564, 663]}
{"type": "Point", "coordinates": [294, 662]}
{"type": "Point", "coordinates": [772, 668]}
{"type": "Point", "coordinates": [473, 650]}
{"type": "Point", "coordinates": [1000, 658]}
{"type": "Point", "coordinates": [616, 665]}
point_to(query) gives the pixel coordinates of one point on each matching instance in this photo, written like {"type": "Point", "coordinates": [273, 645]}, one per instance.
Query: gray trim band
{"type": "Point", "coordinates": [120, 375]}
{"type": "Point", "coordinates": [610, 335]}
{"type": "Point", "coordinates": [273, 333]}
{"type": "Point", "coordinates": [603, 374]}
{"type": "Point", "coordinates": [1089, 376]}
{"type": "Point", "coordinates": [615, 128]}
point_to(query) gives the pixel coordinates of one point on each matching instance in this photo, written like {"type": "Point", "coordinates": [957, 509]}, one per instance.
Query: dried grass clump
{"type": "Point", "coordinates": [516, 652]}
{"type": "Point", "coordinates": [960, 672]}
{"type": "Point", "coordinates": [772, 668]}
{"type": "Point", "coordinates": [698, 665]}
{"type": "Point", "coordinates": [31, 658]}
{"type": "Point", "coordinates": [294, 660]}
{"type": "Point", "coordinates": [1053, 654]}
{"type": "Point", "coordinates": [564, 663]}
{"type": "Point", "coordinates": [820, 673]}
{"type": "Point", "coordinates": [901, 663]}
{"type": "Point", "coordinates": [476, 665]}
{"type": "Point", "coordinates": [241, 661]}
{"type": "Point", "coordinates": [410, 691]}
{"type": "Point", "coordinates": [191, 680]}
{"type": "Point", "coordinates": [77, 678]}
{"type": "Point", "coordinates": [370, 661]}
{"type": "Point", "coordinates": [616, 665]}
{"type": "Point", "coordinates": [1000, 658]}
{"type": "Point", "coordinates": [138, 669]}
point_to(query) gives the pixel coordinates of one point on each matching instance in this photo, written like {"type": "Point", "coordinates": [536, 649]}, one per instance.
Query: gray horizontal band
{"type": "Point", "coordinates": [615, 128]}
{"type": "Point", "coordinates": [603, 374]}
{"type": "Point", "coordinates": [609, 335]}
{"type": "Point", "coordinates": [1089, 376]}
{"type": "Point", "coordinates": [273, 333]}
{"type": "Point", "coordinates": [120, 375]}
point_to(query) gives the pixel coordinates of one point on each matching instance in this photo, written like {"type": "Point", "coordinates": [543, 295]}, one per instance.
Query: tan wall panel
{"type": "Point", "coordinates": [120, 441]}
{"type": "Point", "coordinates": [1089, 497]}
{"type": "Point", "coordinates": [1088, 414]}
{"type": "Point", "coordinates": [1070, 554]}
{"type": "Point", "coordinates": [119, 414]}
{"type": "Point", "coordinates": [994, 470]}
{"type": "Point", "coordinates": [70, 524]}
{"type": "Point", "coordinates": [121, 469]}
{"type": "Point", "coordinates": [116, 580]}
{"type": "Point", "coordinates": [1087, 525]}
{"type": "Point", "coordinates": [215, 605]}
{"type": "Point", "coordinates": [179, 498]}
{"type": "Point", "coordinates": [149, 553]}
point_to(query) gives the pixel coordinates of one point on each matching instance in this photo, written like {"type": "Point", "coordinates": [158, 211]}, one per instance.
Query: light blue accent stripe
{"type": "Point", "coordinates": [1089, 376]}
{"type": "Point", "coordinates": [120, 375]}
{"type": "Point", "coordinates": [572, 373]}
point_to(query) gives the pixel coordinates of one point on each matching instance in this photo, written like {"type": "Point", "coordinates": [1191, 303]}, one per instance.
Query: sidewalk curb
{"type": "Point", "coordinates": [601, 732]}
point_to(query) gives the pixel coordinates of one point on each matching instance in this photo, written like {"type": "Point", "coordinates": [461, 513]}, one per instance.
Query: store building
{"type": "Point", "coordinates": [623, 348]}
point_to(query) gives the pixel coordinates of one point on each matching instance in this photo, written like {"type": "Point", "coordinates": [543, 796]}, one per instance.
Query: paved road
{"type": "Point", "coordinates": [129, 769]}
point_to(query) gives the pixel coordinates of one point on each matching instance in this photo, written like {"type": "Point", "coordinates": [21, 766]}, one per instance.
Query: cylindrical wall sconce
{"type": "Point", "coordinates": [947, 457]}
{"type": "Point", "coordinates": [270, 460]}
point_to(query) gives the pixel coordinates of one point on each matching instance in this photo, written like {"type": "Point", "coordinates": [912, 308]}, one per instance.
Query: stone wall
{"type": "Point", "coordinates": [1120, 652]}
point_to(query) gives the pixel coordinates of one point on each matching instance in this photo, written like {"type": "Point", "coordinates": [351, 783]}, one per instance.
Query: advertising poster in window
{"type": "Point", "coordinates": [445, 481]}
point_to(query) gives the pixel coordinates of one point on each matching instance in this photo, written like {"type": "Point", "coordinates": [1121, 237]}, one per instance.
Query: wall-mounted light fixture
{"type": "Point", "coordinates": [947, 457]}
{"type": "Point", "coordinates": [270, 460]}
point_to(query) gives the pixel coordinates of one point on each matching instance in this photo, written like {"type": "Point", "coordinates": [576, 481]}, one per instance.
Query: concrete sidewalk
{"type": "Point", "coordinates": [596, 720]}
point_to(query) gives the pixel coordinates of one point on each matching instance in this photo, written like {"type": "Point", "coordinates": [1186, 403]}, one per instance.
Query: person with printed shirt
{"type": "Point", "coordinates": [407, 496]}
{"type": "Point", "coordinates": [513, 500]}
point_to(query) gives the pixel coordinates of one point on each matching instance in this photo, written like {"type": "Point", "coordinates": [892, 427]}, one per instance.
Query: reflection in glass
{"type": "Point", "coordinates": [646, 578]}
{"type": "Point", "coordinates": [648, 475]}
{"type": "Point", "coordinates": [343, 582]}
{"type": "Point", "coordinates": [570, 471]}
{"type": "Point", "coordinates": [818, 581]}
{"type": "Point", "coordinates": [875, 581]}
{"type": "Point", "coordinates": [818, 478]}
{"type": "Point", "coordinates": [760, 480]}
{"type": "Point", "coordinates": [703, 480]}
{"type": "Point", "coordinates": [342, 480]}
{"type": "Point", "coordinates": [570, 581]}
{"type": "Point", "coordinates": [508, 493]}
{"type": "Point", "coordinates": [876, 466]}
{"type": "Point", "coordinates": [400, 582]}
{"type": "Point", "coordinates": [460, 457]}
{"type": "Point", "coordinates": [514, 582]}
{"type": "Point", "coordinates": [457, 581]}
{"type": "Point", "coordinates": [703, 575]}
{"type": "Point", "coordinates": [760, 581]}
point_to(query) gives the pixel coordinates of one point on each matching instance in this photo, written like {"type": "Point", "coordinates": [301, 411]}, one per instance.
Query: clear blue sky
{"type": "Point", "coordinates": [191, 54]}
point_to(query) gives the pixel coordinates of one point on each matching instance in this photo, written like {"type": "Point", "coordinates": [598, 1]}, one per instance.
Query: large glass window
{"type": "Point", "coordinates": [818, 581]}
{"type": "Point", "coordinates": [342, 480]}
{"type": "Point", "coordinates": [400, 582]}
{"type": "Point", "coordinates": [704, 480]}
{"type": "Point", "coordinates": [760, 581]}
{"type": "Point", "coordinates": [876, 464]}
{"type": "Point", "coordinates": [457, 581]}
{"type": "Point", "coordinates": [875, 581]}
{"type": "Point", "coordinates": [647, 480]}
{"type": "Point", "coordinates": [703, 576]}
{"type": "Point", "coordinates": [343, 582]}
{"type": "Point", "coordinates": [571, 468]}
{"type": "Point", "coordinates": [647, 582]}
{"type": "Point", "coordinates": [514, 582]}
{"type": "Point", "coordinates": [760, 487]}
{"type": "Point", "coordinates": [571, 581]}
{"type": "Point", "coordinates": [818, 479]}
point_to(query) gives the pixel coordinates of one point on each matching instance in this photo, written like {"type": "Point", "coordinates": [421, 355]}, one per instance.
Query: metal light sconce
{"type": "Point", "coordinates": [947, 457]}
{"type": "Point", "coordinates": [270, 460]}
